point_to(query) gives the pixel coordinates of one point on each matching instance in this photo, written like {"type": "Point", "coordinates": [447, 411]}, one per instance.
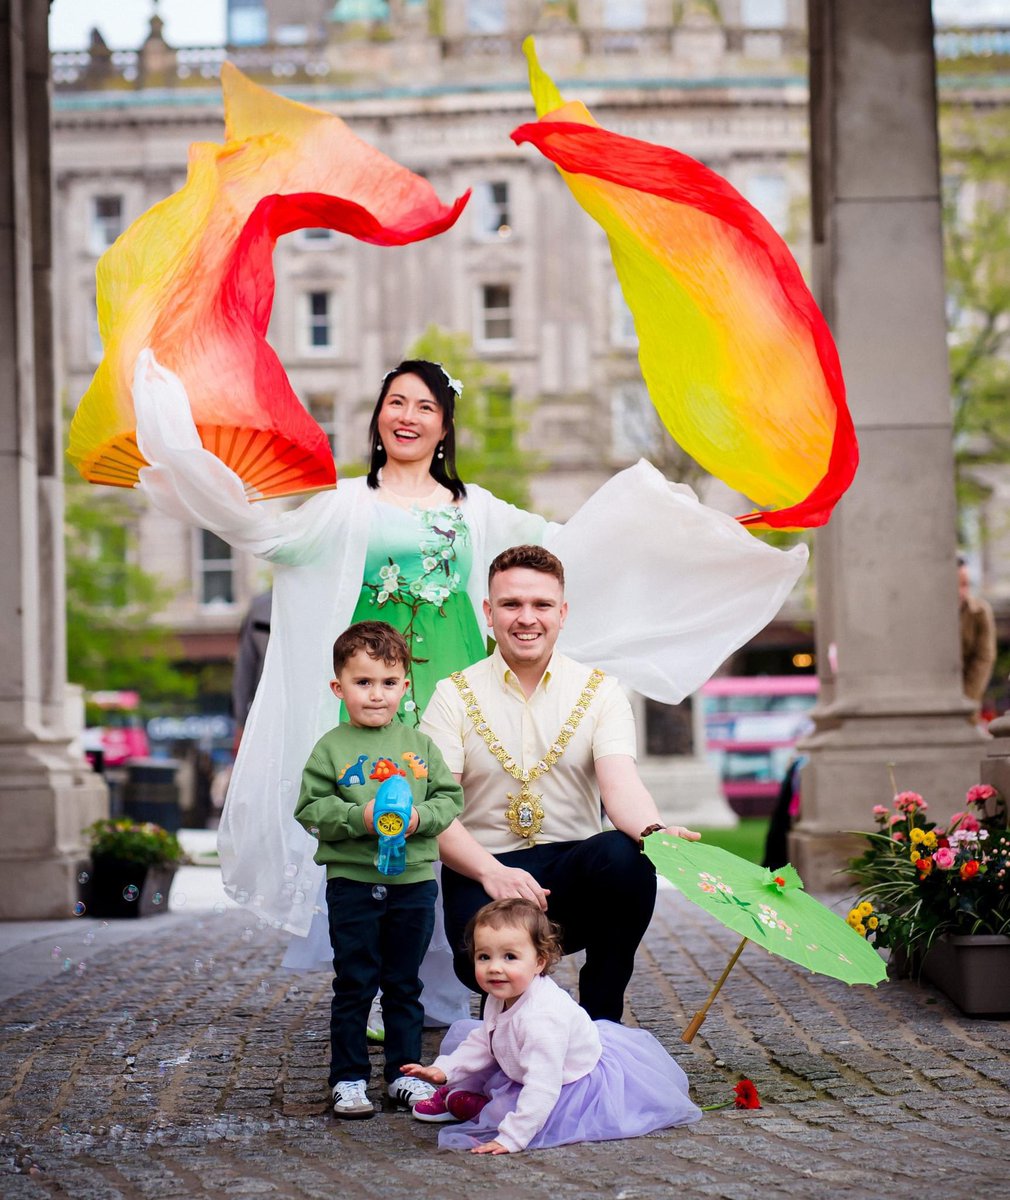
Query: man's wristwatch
{"type": "Point", "coordinates": [646, 831]}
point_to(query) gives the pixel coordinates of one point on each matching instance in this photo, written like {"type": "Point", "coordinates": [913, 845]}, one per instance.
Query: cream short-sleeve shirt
{"type": "Point", "coordinates": [527, 728]}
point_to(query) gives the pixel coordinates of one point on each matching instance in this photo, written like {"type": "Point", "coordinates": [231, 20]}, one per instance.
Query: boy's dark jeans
{"type": "Point", "coordinates": [379, 934]}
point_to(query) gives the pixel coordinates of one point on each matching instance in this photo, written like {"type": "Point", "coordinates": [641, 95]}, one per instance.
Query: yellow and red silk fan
{"type": "Point", "coordinates": [193, 280]}
{"type": "Point", "coordinates": [737, 358]}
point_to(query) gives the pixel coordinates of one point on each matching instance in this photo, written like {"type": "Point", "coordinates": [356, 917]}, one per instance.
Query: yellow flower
{"type": "Point", "coordinates": [929, 841]}
{"type": "Point", "coordinates": [917, 836]}
{"type": "Point", "coordinates": [860, 928]}
{"type": "Point", "coordinates": [872, 922]}
{"type": "Point", "coordinates": [853, 916]}
{"type": "Point", "coordinates": [915, 855]}
{"type": "Point", "coordinates": [865, 908]}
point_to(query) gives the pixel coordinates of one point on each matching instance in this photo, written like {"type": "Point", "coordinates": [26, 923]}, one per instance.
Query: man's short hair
{"type": "Point", "coordinates": [378, 640]}
{"type": "Point", "coordinates": [533, 558]}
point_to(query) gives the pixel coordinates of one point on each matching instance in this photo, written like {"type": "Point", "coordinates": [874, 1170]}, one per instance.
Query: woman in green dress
{"type": "Point", "coordinates": [428, 542]}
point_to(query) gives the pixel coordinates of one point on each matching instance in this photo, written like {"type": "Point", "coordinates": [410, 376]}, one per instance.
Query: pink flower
{"type": "Point", "coordinates": [944, 858]}
{"type": "Point", "coordinates": [879, 811]}
{"type": "Point", "coordinates": [970, 824]}
{"type": "Point", "coordinates": [908, 802]}
{"type": "Point", "coordinates": [980, 793]}
{"type": "Point", "coordinates": [897, 820]}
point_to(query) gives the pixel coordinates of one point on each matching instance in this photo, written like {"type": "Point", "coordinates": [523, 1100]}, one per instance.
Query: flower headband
{"type": "Point", "coordinates": [455, 385]}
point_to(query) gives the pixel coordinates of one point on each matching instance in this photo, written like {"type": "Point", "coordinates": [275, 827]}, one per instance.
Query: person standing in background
{"type": "Point", "coordinates": [252, 648]}
{"type": "Point", "coordinates": [978, 638]}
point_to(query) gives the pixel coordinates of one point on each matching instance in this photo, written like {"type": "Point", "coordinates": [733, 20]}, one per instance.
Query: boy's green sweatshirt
{"type": "Point", "coordinates": [344, 772]}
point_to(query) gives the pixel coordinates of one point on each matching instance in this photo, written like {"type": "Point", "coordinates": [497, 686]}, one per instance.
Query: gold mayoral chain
{"type": "Point", "coordinates": [525, 813]}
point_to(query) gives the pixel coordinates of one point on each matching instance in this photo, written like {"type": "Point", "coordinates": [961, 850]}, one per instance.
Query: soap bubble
{"type": "Point", "coordinates": [83, 877]}
{"type": "Point", "coordinates": [55, 953]}
{"type": "Point", "coordinates": [179, 901]}
{"type": "Point", "coordinates": [290, 871]}
{"type": "Point", "coordinates": [157, 898]}
{"type": "Point", "coordinates": [378, 892]}
{"type": "Point", "coordinates": [67, 964]}
{"type": "Point", "coordinates": [80, 909]}
{"type": "Point", "coordinates": [219, 909]}
{"type": "Point", "coordinates": [131, 892]}
{"type": "Point", "coordinates": [81, 968]}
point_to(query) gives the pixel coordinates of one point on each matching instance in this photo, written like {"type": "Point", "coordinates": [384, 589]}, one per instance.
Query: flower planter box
{"type": "Point", "coordinates": [973, 970]}
{"type": "Point", "coordinates": [116, 888]}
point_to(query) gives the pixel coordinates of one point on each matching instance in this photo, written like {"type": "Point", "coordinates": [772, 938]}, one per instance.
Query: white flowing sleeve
{"type": "Point", "coordinates": [189, 483]}
{"type": "Point", "coordinates": [661, 588]}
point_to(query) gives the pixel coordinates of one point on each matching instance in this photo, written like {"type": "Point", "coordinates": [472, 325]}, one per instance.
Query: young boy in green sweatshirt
{"type": "Point", "coordinates": [380, 925]}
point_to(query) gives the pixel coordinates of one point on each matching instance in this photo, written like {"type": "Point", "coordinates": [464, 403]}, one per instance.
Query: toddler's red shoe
{"type": "Point", "coordinates": [434, 1108]}
{"type": "Point", "coordinates": [464, 1106]}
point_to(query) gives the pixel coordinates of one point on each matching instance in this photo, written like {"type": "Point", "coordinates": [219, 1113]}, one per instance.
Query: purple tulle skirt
{"type": "Point", "coordinates": [635, 1088]}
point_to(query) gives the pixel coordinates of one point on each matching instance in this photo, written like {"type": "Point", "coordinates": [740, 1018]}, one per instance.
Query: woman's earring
{"type": "Point", "coordinates": [440, 454]}
{"type": "Point", "coordinates": [378, 447]}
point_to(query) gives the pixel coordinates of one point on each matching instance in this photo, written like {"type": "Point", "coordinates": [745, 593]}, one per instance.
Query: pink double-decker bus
{"type": "Point", "coordinates": [752, 725]}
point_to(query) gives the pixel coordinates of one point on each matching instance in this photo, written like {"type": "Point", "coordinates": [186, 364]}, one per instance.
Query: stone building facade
{"type": "Point", "coordinates": [524, 273]}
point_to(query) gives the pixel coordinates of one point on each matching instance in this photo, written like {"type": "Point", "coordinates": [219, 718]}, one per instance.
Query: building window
{"type": "Point", "coordinates": [496, 313]}
{"type": "Point", "coordinates": [763, 14]}
{"type": "Point", "coordinates": [634, 422]}
{"type": "Point", "coordinates": [215, 569]}
{"type": "Point", "coordinates": [622, 323]}
{"type": "Point", "coordinates": [322, 409]}
{"type": "Point", "coordinates": [247, 23]}
{"type": "Point", "coordinates": [623, 14]}
{"type": "Point", "coordinates": [485, 16]}
{"type": "Point", "coordinates": [491, 210]}
{"type": "Point", "coordinates": [106, 222]}
{"type": "Point", "coordinates": [315, 238]}
{"type": "Point", "coordinates": [769, 193]}
{"type": "Point", "coordinates": [318, 327]}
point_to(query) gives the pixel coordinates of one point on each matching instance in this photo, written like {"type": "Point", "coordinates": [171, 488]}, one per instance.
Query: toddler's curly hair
{"type": "Point", "coordinates": [544, 933]}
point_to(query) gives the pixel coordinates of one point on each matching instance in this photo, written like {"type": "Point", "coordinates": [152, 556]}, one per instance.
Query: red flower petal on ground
{"type": "Point", "coordinates": [747, 1095]}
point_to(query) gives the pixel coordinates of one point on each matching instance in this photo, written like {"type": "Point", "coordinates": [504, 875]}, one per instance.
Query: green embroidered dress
{"type": "Point", "coordinates": [416, 571]}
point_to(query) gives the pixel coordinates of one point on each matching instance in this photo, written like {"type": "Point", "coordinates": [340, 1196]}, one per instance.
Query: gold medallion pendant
{"type": "Point", "coordinates": [525, 813]}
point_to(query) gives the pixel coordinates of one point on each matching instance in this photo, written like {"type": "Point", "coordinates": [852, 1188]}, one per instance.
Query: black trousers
{"type": "Point", "coordinates": [603, 891]}
{"type": "Point", "coordinates": [379, 935]}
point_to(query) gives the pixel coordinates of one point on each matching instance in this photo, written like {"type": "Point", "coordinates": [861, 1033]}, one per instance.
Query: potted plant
{"type": "Point", "coordinates": [939, 897]}
{"type": "Point", "coordinates": [131, 871]}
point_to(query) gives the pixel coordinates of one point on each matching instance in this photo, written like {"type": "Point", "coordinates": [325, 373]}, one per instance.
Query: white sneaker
{"type": "Point", "coordinates": [351, 1100]}
{"type": "Point", "coordinates": [375, 1029]}
{"type": "Point", "coordinates": [408, 1091]}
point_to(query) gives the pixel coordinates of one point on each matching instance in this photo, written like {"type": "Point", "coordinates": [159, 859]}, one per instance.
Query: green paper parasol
{"type": "Point", "coordinates": [767, 907]}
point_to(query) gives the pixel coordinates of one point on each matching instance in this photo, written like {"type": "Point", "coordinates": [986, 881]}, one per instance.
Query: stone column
{"type": "Point", "coordinates": [46, 794]}
{"type": "Point", "coordinates": [886, 576]}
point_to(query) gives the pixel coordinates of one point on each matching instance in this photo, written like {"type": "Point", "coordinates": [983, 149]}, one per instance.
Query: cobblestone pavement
{"type": "Point", "coordinates": [184, 1062]}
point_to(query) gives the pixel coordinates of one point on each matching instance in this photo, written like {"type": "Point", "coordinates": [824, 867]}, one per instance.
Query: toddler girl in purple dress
{"type": "Point", "coordinates": [537, 1071]}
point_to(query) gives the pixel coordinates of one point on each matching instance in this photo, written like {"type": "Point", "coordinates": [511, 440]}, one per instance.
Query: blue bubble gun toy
{"type": "Point", "coordinates": [391, 816]}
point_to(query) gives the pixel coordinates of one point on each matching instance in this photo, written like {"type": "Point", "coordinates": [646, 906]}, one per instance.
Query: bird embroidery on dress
{"type": "Point", "coordinates": [417, 765]}
{"type": "Point", "coordinates": [353, 773]}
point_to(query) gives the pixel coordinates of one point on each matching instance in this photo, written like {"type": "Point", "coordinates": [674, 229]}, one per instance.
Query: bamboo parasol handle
{"type": "Point", "coordinates": [702, 1013]}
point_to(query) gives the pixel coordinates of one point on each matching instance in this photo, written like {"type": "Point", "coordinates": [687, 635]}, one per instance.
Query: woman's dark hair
{"type": "Point", "coordinates": [436, 381]}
